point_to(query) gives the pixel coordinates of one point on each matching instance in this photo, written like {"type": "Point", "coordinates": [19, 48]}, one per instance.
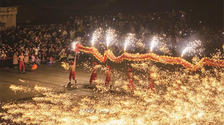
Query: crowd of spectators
{"type": "Point", "coordinates": [43, 44]}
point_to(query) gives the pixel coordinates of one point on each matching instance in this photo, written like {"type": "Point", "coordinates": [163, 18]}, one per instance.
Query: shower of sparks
{"type": "Point", "coordinates": [73, 45]}
{"type": "Point", "coordinates": [110, 36]}
{"type": "Point", "coordinates": [218, 55]}
{"type": "Point", "coordinates": [195, 60]}
{"type": "Point", "coordinates": [19, 88]}
{"type": "Point", "coordinates": [43, 89]}
{"type": "Point", "coordinates": [128, 39]}
{"type": "Point", "coordinates": [65, 65]}
{"type": "Point", "coordinates": [144, 66]}
{"type": "Point", "coordinates": [140, 44]}
{"type": "Point", "coordinates": [184, 51]}
{"type": "Point", "coordinates": [180, 98]}
{"type": "Point", "coordinates": [166, 49]}
{"type": "Point", "coordinates": [96, 35]}
{"type": "Point", "coordinates": [154, 43]}
{"type": "Point", "coordinates": [193, 48]}
{"type": "Point", "coordinates": [161, 44]}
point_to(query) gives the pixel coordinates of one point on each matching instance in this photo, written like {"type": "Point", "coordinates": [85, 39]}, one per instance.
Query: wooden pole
{"type": "Point", "coordinates": [92, 58]}
{"type": "Point", "coordinates": [125, 65]}
{"type": "Point", "coordinates": [107, 59]}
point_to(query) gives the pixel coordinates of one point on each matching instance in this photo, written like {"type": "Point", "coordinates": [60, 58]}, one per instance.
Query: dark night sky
{"type": "Point", "coordinates": [212, 9]}
{"type": "Point", "coordinates": [154, 5]}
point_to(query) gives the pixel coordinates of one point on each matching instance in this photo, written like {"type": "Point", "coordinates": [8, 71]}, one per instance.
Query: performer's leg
{"type": "Point", "coordinates": [20, 66]}
{"type": "Point", "coordinates": [94, 77]}
{"type": "Point", "coordinates": [151, 86]}
{"type": "Point", "coordinates": [69, 84]}
{"type": "Point", "coordinates": [91, 79]}
{"type": "Point", "coordinates": [70, 77]}
{"type": "Point", "coordinates": [73, 76]}
{"type": "Point", "coordinates": [23, 67]}
{"type": "Point", "coordinates": [106, 82]}
{"type": "Point", "coordinates": [132, 84]}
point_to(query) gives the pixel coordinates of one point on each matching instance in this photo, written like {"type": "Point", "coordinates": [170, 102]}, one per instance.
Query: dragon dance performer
{"type": "Point", "coordinates": [15, 60]}
{"type": "Point", "coordinates": [26, 58]}
{"type": "Point", "coordinates": [151, 83]}
{"type": "Point", "coordinates": [21, 63]}
{"type": "Point", "coordinates": [72, 72]}
{"type": "Point", "coordinates": [130, 78]}
{"type": "Point", "coordinates": [108, 77]}
{"type": "Point", "coordinates": [93, 73]}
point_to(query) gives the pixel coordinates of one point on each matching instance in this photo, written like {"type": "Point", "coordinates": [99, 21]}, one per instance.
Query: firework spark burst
{"type": "Point", "coordinates": [193, 47]}
{"type": "Point", "coordinates": [73, 45]}
{"type": "Point", "coordinates": [129, 39]}
{"type": "Point", "coordinates": [161, 44]}
{"type": "Point", "coordinates": [154, 42]}
{"type": "Point", "coordinates": [110, 36]}
{"type": "Point", "coordinates": [96, 35]}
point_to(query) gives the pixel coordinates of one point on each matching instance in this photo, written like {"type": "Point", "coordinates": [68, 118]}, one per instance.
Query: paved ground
{"type": "Point", "coordinates": [49, 76]}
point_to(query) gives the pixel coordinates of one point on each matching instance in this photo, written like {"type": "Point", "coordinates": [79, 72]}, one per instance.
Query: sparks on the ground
{"type": "Point", "coordinates": [174, 102]}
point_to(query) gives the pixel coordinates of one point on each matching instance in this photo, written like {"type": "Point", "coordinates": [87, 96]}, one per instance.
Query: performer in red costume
{"type": "Point", "coordinates": [21, 63]}
{"type": "Point", "coordinates": [108, 77]}
{"type": "Point", "coordinates": [72, 72]}
{"type": "Point", "coordinates": [130, 75]}
{"type": "Point", "coordinates": [93, 74]}
{"type": "Point", "coordinates": [151, 83]}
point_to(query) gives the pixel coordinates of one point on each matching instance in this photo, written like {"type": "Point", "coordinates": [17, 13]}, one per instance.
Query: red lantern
{"type": "Point", "coordinates": [34, 67]}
